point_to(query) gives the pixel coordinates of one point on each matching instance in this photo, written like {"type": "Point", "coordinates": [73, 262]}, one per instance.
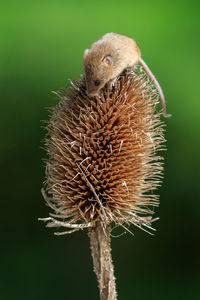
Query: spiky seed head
{"type": "Point", "coordinates": [102, 154]}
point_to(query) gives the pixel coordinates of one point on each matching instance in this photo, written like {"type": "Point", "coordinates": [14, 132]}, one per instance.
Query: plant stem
{"type": "Point", "coordinates": [102, 260]}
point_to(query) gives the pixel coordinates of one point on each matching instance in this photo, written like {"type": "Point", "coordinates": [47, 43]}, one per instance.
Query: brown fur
{"type": "Point", "coordinates": [124, 52]}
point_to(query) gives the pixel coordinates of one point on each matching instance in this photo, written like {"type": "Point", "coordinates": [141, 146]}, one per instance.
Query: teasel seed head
{"type": "Point", "coordinates": [103, 163]}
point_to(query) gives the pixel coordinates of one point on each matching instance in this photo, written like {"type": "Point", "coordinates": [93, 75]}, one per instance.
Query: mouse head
{"type": "Point", "coordinates": [97, 70]}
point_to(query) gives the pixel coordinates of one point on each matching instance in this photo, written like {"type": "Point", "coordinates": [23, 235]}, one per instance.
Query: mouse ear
{"type": "Point", "coordinates": [107, 60]}
{"type": "Point", "coordinates": [85, 52]}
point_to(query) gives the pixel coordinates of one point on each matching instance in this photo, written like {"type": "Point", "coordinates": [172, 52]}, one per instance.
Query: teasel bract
{"type": "Point", "coordinates": [103, 163]}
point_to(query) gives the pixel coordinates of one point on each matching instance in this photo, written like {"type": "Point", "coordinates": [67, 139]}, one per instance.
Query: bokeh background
{"type": "Point", "coordinates": [41, 47]}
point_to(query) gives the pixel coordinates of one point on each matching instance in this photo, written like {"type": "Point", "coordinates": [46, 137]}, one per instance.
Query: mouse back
{"type": "Point", "coordinates": [127, 49]}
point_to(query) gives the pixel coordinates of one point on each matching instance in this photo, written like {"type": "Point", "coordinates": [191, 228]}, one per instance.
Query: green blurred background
{"type": "Point", "coordinates": [41, 47]}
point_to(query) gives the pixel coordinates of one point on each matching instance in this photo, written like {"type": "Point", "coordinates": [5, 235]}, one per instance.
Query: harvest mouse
{"type": "Point", "coordinates": [107, 59]}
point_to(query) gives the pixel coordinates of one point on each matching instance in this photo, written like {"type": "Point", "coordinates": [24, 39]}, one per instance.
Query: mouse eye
{"type": "Point", "coordinates": [97, 82]}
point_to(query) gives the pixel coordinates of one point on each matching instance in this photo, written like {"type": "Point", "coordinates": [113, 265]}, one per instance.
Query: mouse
{"type": "Point", "coordinates": [108, 58]}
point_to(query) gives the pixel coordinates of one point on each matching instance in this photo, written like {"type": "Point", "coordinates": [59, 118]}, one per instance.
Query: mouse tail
{"type": "Point", "coordinates": [157, 85]}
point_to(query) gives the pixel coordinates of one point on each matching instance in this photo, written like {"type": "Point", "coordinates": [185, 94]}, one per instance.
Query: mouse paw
{"type": "Point", "coordinates": [111, 83]}
{"type": "Point", "coordinates": [131, 68]}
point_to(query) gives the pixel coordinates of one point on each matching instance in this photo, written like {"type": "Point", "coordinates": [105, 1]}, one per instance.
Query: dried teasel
{"type": "Point", "coordinates": [103, 165]}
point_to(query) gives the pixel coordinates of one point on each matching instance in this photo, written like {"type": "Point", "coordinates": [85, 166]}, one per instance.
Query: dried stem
{"type": "Point", "coordinates": [102, 260]}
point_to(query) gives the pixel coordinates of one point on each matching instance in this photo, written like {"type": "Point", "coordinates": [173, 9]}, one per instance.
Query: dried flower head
{"type": "Point", "coordinates": [103, 163]}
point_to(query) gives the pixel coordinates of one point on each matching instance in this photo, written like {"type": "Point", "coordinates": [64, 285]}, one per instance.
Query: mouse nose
{"type": "Point", "coordinates": [92, 93]}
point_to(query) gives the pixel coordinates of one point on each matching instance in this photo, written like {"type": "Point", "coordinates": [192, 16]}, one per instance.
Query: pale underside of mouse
{"type": "Point", "coordinates": [108, 58]}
